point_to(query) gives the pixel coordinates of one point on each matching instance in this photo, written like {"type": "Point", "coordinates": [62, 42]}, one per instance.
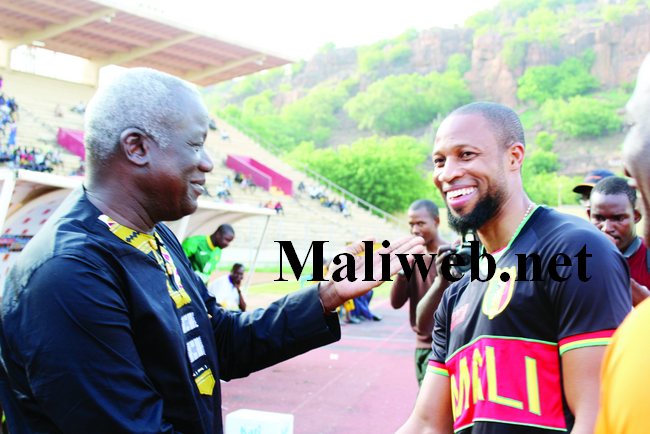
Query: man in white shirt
{"type": "Point", "coordinates": [226, 289]}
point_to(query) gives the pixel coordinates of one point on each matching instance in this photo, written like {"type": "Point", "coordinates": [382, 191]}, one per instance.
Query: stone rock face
{"type": "Point", "coordinates": [336, 65]}
{"type": "Point", "coordinates": [490, 79]}
{"type": "Point", "coordinates": [619, 48]}
{"type": "Point", "coordinates": [433, 47]}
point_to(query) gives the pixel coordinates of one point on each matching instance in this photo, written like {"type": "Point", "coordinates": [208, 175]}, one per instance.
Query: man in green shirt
{"type": "Point", "coordinates": [204, 251]}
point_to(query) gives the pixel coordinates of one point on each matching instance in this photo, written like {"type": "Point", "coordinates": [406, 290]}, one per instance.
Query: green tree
{"type": "Point", "coordinates": [570, 78]}
{"type": "Point", "coordinates": [459, 62]}
{"type": "Point", "coordinates": [384, 172]}
{"type": "Point", "coordinates": [581, 117]}
{"type": "Point", "coordinates": [403, 102]}
{"type": "Point", "coordinates": [399, 54]}
{"type": "Point", "coordinates": [541, 161]}
{"type": "Point", "coordinates": [541, 181]}
{"type": "Point", "coordinates": [308, 119]}
{"type": "Point", "coordinates": [330, 46]}
{"type": "Point", "coordinates": [545, 141]}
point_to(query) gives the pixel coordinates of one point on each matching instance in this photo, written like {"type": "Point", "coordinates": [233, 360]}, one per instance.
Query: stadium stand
{"type": "Point", "coordinates": [38, 96]}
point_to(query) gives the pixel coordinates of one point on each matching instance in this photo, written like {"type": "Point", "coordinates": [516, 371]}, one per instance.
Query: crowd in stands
{"type": "Point", "coordinates": [270, 205]}
{"type": "Point", "coordinates": [9, 116]}
{"type": "Point", "coordinates": [30, 159]}
{"type": "Point", "coordinates": [319, 193]}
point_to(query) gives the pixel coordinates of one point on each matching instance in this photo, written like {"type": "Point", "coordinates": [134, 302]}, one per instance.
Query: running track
{"type": "Point", "coordinates": [365, 383]}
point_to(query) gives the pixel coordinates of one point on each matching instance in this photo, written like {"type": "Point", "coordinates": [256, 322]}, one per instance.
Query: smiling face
{"type": "Point", "coordinates": [614, 215]}
{"type": "Point", "coordinates": [177, 172]}
{"type": "Point", "coordinates": [636, 147]}
{"type": "Point", "coordinates": [469, 171]}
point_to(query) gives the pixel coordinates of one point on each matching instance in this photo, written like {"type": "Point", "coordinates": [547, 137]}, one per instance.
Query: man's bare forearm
{"type": "Point", "coordinates": [428, 304]}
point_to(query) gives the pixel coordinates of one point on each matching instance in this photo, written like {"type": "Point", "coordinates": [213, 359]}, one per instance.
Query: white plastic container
{"type": "Point", "coordinates": [258, 422]}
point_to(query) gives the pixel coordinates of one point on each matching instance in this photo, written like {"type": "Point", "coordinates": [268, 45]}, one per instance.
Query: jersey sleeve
{"type": "Point", "coordinates": [189, 246]}
{"type": "Point", "coordinates": [588, 312]}
{"type": "Point", "coordinates": [440, 330]}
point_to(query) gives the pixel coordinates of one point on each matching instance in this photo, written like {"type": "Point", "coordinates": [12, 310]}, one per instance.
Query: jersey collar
{"type": "Point", "coordinates": [632, 248]}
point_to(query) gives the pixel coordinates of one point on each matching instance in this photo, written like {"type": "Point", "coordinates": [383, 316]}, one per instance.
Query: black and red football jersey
{"type": "Point", "coordinates": [501, 341]}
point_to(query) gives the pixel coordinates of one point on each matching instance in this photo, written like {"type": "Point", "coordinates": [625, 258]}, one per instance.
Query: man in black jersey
{"type": "Point", "coordinates": [518, 349]}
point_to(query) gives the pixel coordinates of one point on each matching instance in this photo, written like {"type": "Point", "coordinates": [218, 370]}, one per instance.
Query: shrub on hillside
{"type": "Point", "coordinates": [545, 141]}
{"type": "Point", "coordinates": [460, 63]}
{"type": "Point", "coordinates": [581, 117]}
{"type": "Point", "coordinates": [403, 102]}
{"type": "Point", "coordinates": [309, 118]}
{"type": "Point", "coordinates": [384, 172]}
{"type": "Point", "coordinates": [570, 78]}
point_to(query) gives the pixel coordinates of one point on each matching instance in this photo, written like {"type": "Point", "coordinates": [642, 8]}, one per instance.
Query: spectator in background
{"type": "Point", "coordinates": [58, 111]}
{"type": "Point", "coordinates": [225, 135]}
{"type": "Point", "coordinates": [423, 221]}
{"type": "Point", "coordinates": [362, 308]}
{"type": "Point", "coordinates": [227, 182]}
{"type": "Point", "coordinates": [613, 211]}
{"type": "Point", "coordinates": [13, 109]}
{"type": "Point", "coordinates": [212, 125]}
{"type": "Point", "coordinates": [591, 179]}
{"type": "Point", "coordinates": [239, 177]}
{"type": "Point", "coordinates": [12, 134]}
{"type": "Point", "coordinates": [278, 208]}
{"type": "Point", "coordinates": [79, 108]}
{"type": "Point", "coordinates": [227, 289]}
{"type": "Point", "coordinates": [204, 252]}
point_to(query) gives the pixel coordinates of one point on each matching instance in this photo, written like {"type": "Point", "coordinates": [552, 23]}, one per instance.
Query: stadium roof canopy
{"type": "Point", "coordinates": [108, 33]}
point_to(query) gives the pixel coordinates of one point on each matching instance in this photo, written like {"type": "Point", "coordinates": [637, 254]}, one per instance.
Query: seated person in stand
{"type": "Point", "coordinates": [227, 289]}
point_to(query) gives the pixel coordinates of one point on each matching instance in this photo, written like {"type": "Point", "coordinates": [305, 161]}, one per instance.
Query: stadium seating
{"type": "Point", "coordinates": [37, 97]}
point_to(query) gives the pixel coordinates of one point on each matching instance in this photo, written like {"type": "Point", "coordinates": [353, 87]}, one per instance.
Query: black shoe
{"type": "Point", "coordinates": [376, 318]}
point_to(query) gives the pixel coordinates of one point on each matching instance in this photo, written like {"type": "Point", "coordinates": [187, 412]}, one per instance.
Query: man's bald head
{"type": "Point", "coordinates": [503, 121]}
{"type": "Point", "coordinates": [140, 98]}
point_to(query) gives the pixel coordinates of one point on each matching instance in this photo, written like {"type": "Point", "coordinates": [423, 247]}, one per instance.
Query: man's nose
{"type": "Point", "coordinates": [608, 226]}
{"type": "Point", "coordinates": [450, 171]}
{"type": "Point", "coordinates": [206, 164]}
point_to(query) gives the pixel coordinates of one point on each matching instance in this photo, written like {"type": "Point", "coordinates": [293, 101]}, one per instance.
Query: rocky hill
{"type": "Point", "coordinates": [500, 45]}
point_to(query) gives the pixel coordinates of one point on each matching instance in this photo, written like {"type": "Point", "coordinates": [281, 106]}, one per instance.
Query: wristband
{"type": "Point", "coordinates": [325, 311]}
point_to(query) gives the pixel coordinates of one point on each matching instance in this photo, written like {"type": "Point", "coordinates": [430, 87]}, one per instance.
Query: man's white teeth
{"type": "Point", "coordinates": [460, 192]}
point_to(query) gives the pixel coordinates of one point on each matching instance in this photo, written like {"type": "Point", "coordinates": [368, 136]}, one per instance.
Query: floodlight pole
{"type": "Point", "coordinates": [257, 254]}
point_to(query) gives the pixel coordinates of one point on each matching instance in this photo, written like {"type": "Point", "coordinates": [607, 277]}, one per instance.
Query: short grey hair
{"type": "Point", "coordinates": [137, 98]}
{"type": "Point", "coordinates": [502, 120]}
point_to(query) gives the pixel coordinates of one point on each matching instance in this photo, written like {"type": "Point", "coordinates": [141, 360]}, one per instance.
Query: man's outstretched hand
{"type": "Point", "coordinates": [333, 294]}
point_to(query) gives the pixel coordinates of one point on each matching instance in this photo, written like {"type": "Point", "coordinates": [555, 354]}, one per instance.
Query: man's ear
{"type": "Point", "coordinates": [437, 220]}
{"type": "Point", "coordinates": [589, 213]}
{"type": "Point", "coordinates": [516, 152]}
{"type": "Point", "coordinates": [637, 216]}
{"type": "Point", "coordinates": [135, 146]}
